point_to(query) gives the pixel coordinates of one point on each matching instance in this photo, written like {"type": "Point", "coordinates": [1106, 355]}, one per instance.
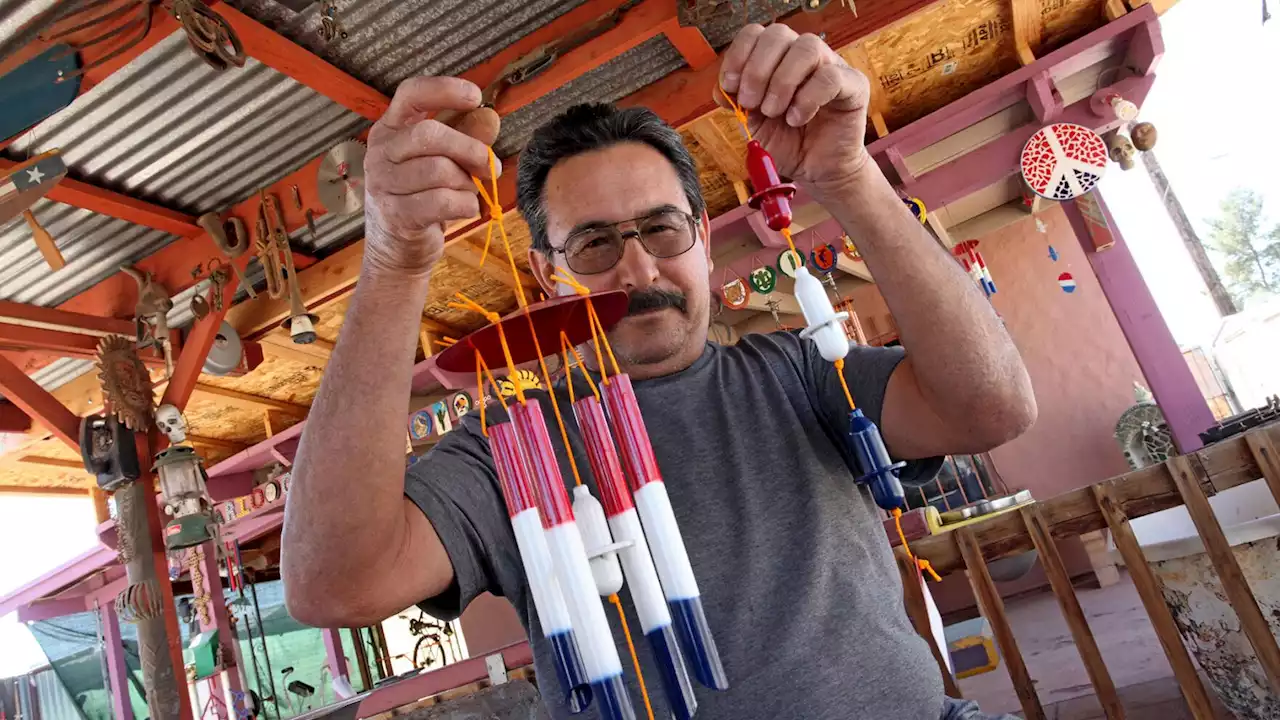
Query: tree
{"type": "Point", "coordinates": [1251, 254]}
{"type": "Point", "coordinates": [1195, 248]}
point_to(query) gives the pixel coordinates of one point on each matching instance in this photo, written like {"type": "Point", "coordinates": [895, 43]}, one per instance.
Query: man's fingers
{"type": "Point", "coordinates": [769, 49]}
{"type": "Point", "coordinates": [801, 59]}
{"type": "Point", "coordinates": [422, 210]}
{"type": "Point", "coordinates": [837, 86]}
{"type": "Point", "coordinates": [418, 174]}
{"type": "Point", "coordinates": [431, 138]}
{"type": "Point", "coordinates": [735, 58]}
{"type": "Point", "coordinates": [417, 97]}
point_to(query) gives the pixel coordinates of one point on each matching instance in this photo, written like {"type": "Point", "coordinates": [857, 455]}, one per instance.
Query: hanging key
{"type": "Point", "coordinates": [218, 278]}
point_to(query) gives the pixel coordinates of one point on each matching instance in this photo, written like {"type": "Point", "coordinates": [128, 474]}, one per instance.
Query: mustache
{"type": "Point", "coordinates": [655, 299]}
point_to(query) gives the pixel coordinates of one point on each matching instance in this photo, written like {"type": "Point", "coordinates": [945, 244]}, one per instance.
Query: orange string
{"type": "Point", "coordinates": [497, 391]}
{"type": "Point", "coordinates": [844, 384]}
{"type": "Point", "coordinates": [635, 660]}
{"type": "Point", "coordinates": [602, 338]}
{"type": "Point", "coordinates": [738, 112]}
{"type": "Point", "coordinates": [920, 562]}
{"type": "Point", "coordinates": [786, 233]}
{"type": "Point", "coordinates": [555, 406]}
{"type": "Point", "coordinates": [564, 345]}
{"type": "Point", "coordinates": [491, 199]}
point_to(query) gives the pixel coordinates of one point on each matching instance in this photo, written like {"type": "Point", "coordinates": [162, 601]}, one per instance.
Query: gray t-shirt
{"type": "Point", "coordinates": [796, 575]}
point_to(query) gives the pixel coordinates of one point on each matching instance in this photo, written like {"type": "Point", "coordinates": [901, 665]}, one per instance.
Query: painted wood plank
{"type": "Point", "coordinates": [918, 613]}
{"type": "Point", "coordinates": [1060, 582]}
{"type": "Point", "coordinates": [992, 607]}
{"type": "Point", "coordinates": [1188, 476]}
{"type": "Point", "coordinates": [1148, 587]}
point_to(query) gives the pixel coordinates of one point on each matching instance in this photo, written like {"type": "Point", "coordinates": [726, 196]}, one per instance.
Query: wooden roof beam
{"type": "Point", "coordinates": [246, 400]}
{"type": "Point", "coordinates": [313, 354]}
{"type": "Point", "coordinates": [860, 60]}
{"type": "Point", "coordinates": [1028, 27]}
{"type": "Point", "coordinates": [34, 316]}
{"type": "Point", "coordinates": [39, 404]}
{"type": "Point", "coordinates": [44, 491]}
{"type": "Point", "coordinates": [52, 462]}
{"type": "Point", "coordinates": [63, 344]}
{"type": "Point", "coordinates": [495, 265]}
{"type": "Point", "coordinates": [90, 197]}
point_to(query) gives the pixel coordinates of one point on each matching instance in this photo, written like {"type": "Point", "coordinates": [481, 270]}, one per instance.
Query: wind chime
{"type": "Point", "coordinates": [577, 552]}
{"type": "Point", "coordinates": [826, 328]}
{"type": "Point", "coordinates": [823, 324]}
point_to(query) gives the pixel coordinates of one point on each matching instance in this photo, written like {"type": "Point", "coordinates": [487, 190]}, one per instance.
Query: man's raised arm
{"type": "Point", "coordinates": [355, 549]}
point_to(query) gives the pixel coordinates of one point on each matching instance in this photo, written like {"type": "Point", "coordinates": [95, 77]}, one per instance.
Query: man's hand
{"type": "Point", "coordinates": [418, 172]}
{"type": "Point", "coordinates": [807, 107]}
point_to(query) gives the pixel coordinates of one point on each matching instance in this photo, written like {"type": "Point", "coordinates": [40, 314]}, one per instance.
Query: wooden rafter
{"type": "Point", "coordinates": [38, 491]}
{"type": "Point", "coordinates": [245, 400]}
{"type": "Point", "coordinates": [216, 443]}
{"type": "Point", "coordinates": [1028, 26]}
{"type": "Point", "coordinates": [495, 265]}
{"type": "Point", "coordinates": [62, 463]}
{"type": "Point", "coordinates": [117, 205]}
{"type": "Point", "coordinates": [313, 354]}
{"type": "Point", "coordinates": [860, 60]}
{"type": "Point", "coordinates": [39, 404]}
{"type": "Point", "coordinates": [727, 158]}
{"type": "Point", "coordinates": [34, 316]}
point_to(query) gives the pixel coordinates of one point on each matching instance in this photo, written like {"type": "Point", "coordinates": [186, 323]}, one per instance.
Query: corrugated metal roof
{"type": "Point", "coordinates": [630, 71]}
{"type": "Point", "coordinates": [170, 129]}
{"type": "Point", "coordinates": [94, 246]}
{"type": "Point", "coordinates": [390, 40]}
{"type": "Point", "coordinates": [60, 372]}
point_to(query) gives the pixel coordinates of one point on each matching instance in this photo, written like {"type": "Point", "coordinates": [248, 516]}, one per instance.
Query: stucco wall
{"type": "Point", "coordinates": [1080, 365]}
{"type": "Point", "coordinates": [489, 623]}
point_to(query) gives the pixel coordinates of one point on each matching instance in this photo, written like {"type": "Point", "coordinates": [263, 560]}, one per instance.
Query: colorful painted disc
{"type": "Point", "coordinates": [1064, 161]}
{"type": "Point", "coordinates": [461, 403]}
{"type": "Point", "coordinates": [1067, 282]}
{"type": "Point", "coordinates": [789, 261]}
{"type": "Point", "coordinates": [735, 294]}
{"type": "Point", "coordinates": [824, 258]}
{"type": "Point", "coordinates": [420, 424]}
{"type": "Point", "coordinates": [850, 250]}
{"type": "Point", "coordinates": [917, 208]}
{"type": "Point", "coordinates": [271, 491]}
{"type": "Point", "coordinates": [764, 279]}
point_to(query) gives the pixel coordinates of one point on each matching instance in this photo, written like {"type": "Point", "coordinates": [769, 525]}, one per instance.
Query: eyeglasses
{"type": "Point", "coordinates": [663, 234]}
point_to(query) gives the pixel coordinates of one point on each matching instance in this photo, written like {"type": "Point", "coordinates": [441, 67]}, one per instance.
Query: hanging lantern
{"type": "Point", "coordinates": [182, 487]}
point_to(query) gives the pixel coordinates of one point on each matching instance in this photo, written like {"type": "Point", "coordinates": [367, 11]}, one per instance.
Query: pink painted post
{"type": "Point", "coordinates": [224, 685]}
{"type": "Point", "coordinates": [117, 668]}
{"type": "Point", "coordinates": [333, 653]}
{"type": "Point", "coordinates": [1144, 328]}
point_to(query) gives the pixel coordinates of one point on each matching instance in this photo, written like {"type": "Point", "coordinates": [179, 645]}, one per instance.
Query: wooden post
{"type": "Point", "coordinates": [1264, 453]}
{"type": "Point", "coordinates": [1148, 587]}
{"type": "Point", "coordinates": [117, 668]}
{"type": "Point", "coordinates": [1187, 477]}
{"type": "Point", "coordinates": [992, 608]}
{"type": "Point", "coordinates": [362, 658]}
{"type": "Point", "coordinates": [334, 655]}
{"type": "Point", "coordinates": [99, 497]}
{"type": "Point", "coordinates": [918, 613]}
{"type": "Point", "coordinates": [1060, 581]}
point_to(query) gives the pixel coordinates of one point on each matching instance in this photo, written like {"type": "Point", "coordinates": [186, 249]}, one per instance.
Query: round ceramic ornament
{"type": "Point", "coordinates": [1063, 161]}
{"type": "Point", "coordinates": [735, 294]}
{"type": "Point", "coordinates": [789, 261]}
{"type": "Point", "coordinates": [763, 279]}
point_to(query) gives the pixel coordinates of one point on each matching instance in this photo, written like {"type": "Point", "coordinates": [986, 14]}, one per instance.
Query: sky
{"type": "Point", "coordinates": [1214, 105]}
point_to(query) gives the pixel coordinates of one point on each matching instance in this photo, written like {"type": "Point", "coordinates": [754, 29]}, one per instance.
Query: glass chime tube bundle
{"type": "Point", "coordinates": [517, 490]}
{"type": "Point", "coordinates": [569, 556]}
{"type": "Point", "coordinates": [637, 563]}
{"type": "Point", "coordinates": [669, 553]}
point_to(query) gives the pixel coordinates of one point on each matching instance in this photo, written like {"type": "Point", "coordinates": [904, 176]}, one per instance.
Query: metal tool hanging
{"type": "Point", "coordinates": [232, 240]}
{"type": "Point", "coordinates": [330, 26]}
{"type": "Point", "coordinates": [300, 323]}
{"type": "Point", "coordinates": [209, 34]}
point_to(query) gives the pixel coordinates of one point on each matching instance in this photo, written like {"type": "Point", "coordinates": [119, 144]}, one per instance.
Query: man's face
{"type": "Point", "coordinates": [670, 297]}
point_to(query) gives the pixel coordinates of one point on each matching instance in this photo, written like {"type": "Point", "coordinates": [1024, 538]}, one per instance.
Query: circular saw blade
{"type": "Point", "coordinates": [340, 178]}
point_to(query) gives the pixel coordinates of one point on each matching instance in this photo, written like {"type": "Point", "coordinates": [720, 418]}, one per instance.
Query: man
{"type": "Point", "coordinates": [798, 582]}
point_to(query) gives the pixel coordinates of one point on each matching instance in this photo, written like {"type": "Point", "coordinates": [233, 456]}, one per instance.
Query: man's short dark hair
{"type": "Point", "coordinates": [594, 126]}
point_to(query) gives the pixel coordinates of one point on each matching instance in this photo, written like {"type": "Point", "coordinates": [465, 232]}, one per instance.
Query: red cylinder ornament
{"type": "Point", "coordinates": [773, 197]}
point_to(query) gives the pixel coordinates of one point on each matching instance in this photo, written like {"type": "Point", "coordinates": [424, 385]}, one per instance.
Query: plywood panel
{"type": "Point", "coordinates": [952, 48]}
